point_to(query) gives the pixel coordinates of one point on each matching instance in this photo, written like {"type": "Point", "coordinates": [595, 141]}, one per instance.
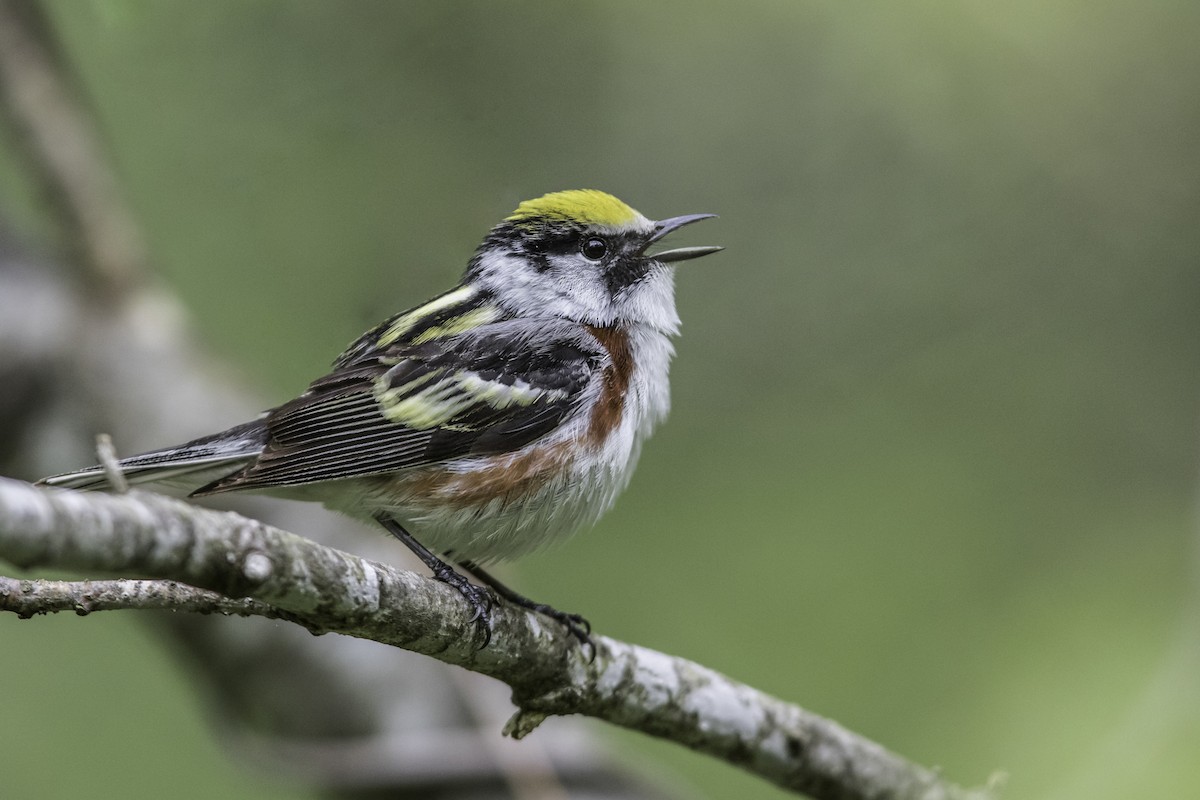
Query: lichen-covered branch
{"type": "Point", "coordinates": [327, 590]}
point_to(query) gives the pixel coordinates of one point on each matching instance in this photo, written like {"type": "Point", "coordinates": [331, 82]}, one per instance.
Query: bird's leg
{"type": "Point", "coordinates": [479, 597]}
{"type": "Point", "coordinates": [578, 627]}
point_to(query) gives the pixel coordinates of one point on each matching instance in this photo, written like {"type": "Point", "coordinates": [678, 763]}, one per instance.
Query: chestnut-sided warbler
{"type": "Point", "coordinates": [500, 416]}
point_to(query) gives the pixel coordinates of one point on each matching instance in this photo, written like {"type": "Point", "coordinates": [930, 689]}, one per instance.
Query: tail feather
{"type": "Point", "coordinates": [189, 465]}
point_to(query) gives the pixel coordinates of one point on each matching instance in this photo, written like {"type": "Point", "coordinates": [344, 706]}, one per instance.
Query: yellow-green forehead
{"type": "Point", "coordinates": [585, 206]}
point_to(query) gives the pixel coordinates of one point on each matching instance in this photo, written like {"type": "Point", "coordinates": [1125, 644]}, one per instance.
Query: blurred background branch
{"type": "Point", "coordinates": [62, 154]}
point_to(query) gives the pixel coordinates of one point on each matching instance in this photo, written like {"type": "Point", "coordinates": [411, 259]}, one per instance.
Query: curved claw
{"type": "Point", "coordinates": [575, 624]}
{"type": "Point", "coordinates": [481, 599]}
{"type": "Point", "coordinates": [482, 602]}
{"type": "Point", "coordinates": [580, 628]}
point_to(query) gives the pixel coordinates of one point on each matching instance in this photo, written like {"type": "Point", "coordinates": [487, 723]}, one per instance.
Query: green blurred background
{"type": "Point", "coordinates": [932, 466]}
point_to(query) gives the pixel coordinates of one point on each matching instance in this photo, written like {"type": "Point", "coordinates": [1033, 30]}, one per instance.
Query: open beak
{"type": "Point", "coordinates": [664, 227]}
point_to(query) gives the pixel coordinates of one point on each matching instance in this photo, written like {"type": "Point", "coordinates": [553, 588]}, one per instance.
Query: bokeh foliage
{"type": "Point", "coordinates": [932, 466]}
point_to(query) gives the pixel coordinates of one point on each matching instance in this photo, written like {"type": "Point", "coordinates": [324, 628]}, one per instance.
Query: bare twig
{"type": "Point", "coordinates": [330, 591]}
{"type": "Point", "coordinates": [27, 598]}
{"type": "Point", "coordinates": [106, 453]}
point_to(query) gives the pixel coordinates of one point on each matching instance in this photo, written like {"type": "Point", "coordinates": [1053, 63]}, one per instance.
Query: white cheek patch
{"type": "Point", "coordinates": [570, 288]}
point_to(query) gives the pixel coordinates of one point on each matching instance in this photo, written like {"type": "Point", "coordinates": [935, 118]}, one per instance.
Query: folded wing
{"type": "Point", "coordinates": [493, 389]}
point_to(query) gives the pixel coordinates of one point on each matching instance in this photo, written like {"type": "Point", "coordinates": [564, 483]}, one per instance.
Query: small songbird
{"type": "Point", "coordinates": [498, 417]}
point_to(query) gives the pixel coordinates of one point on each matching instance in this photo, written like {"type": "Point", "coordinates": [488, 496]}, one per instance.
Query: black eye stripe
{"type": "Point", "coordinates": [542, 246]}
{"type": "Point", "coordinates": [558, 245]}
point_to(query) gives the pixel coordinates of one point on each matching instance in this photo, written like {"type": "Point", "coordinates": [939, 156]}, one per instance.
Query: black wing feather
{"type": "Point", "coordinates": [337, 428]}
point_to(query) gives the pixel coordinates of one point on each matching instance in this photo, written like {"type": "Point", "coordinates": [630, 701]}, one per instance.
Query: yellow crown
{"type": "Point", "coordinates": [586, 206]}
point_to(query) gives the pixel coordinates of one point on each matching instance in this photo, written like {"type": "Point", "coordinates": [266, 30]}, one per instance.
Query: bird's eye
{"type": "Point", "coordinates": [594, 248]}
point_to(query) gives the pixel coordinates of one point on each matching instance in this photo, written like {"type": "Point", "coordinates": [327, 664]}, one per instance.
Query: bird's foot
{"type": "Point", "coordinates": [576, 625]}
{"type": "Point", "coordinates": [480, 597]}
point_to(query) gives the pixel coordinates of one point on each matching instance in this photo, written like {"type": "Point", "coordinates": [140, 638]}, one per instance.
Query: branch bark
{"type": "Point", "coordinates": [27, 598]}
{"type": "Point", "coordinates": [230, 559]}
